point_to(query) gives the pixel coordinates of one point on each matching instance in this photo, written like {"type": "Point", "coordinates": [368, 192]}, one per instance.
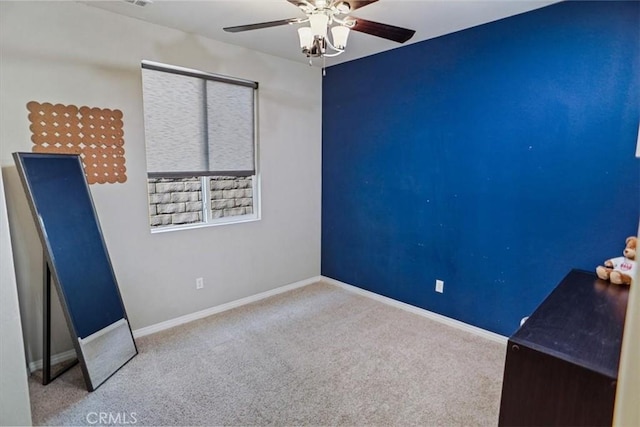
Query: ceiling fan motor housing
{"type": "Point", "coordinates": [317, 48]}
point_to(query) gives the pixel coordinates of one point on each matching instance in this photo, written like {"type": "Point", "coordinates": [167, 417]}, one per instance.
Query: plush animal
{"type": "Point", "coordinates": [620, 270]}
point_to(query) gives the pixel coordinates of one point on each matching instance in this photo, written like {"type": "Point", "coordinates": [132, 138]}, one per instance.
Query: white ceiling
{"type": "Point", "coordinates": [430, 18]}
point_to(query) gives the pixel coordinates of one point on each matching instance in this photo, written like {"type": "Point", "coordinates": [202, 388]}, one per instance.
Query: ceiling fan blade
{"type": "Point", "coordinates": [260, 25]}
{"type": "Point", "coordinates": [386, 31]}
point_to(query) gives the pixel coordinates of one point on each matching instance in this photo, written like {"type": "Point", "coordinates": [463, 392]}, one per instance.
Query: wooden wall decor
{"type": "Point", "coordinates": [95, 134]}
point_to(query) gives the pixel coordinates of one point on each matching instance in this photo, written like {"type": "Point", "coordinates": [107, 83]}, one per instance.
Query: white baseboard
{"type": "Point", "coordinates": [71, 354]}
{"type": "Point", "coordinates": [55, 358]}
{"type": "Point", "coordinates": [220, 308]}
{"type": "Point", "coordinates": [420, 311]}
{"type": "Point", "coordinates": [389, 301]}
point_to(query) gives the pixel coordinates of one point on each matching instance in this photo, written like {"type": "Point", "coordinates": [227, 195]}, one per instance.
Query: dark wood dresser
{"type": "Point", "coordinates": [562, 365]}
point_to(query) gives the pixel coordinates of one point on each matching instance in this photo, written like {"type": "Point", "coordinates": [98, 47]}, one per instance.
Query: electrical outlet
{"type": "Point", "coordinates": [439, 286]}
{"type": "Point", "coordinates": [199, 283]}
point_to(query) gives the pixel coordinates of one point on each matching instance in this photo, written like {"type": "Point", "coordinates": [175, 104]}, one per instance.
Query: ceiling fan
{"type": "Point", "coordinates": [325, 15]}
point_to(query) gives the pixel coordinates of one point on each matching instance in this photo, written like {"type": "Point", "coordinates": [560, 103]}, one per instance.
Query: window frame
{"type": "Point", "coordinates": [205, 180]}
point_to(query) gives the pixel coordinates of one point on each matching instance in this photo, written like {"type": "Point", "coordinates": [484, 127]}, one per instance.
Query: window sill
{"type": "Point", "coordinates": [214, 223]}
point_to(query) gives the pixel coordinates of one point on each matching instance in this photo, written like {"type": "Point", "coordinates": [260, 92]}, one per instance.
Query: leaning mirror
{"type": "Point", "coordinates": [77, 262]}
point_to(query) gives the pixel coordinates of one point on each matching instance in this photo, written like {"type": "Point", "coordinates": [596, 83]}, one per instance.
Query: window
{"type": "Point", "coordinates": [200, 132]}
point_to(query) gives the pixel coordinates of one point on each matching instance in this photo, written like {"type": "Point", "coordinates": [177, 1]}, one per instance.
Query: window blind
{"type": "Point", "coordinates": [230, 126]}
{"type": "Point", "coordinates": [197, 124]}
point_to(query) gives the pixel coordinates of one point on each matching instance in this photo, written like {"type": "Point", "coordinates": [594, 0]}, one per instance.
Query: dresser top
{"type": "Point", "coordinates": [581, 322]}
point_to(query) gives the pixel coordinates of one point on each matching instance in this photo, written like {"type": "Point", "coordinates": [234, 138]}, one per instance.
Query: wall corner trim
{"type": "Point", "coordinates": [483, 333]}
{"type": "Point", "coordinates": [148, 330]}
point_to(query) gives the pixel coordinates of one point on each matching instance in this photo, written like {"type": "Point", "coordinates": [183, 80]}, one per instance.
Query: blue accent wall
{"type": "Point", "coordinates": [496, 159]}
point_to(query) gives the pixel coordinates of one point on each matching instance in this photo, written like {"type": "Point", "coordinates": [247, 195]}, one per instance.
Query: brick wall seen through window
{"type": "Point", "coordinates": [179, 201]}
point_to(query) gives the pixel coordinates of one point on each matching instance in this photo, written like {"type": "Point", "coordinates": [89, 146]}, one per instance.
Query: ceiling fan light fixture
{"type": "Point", "coordinates": [340, 35]}
{"type": "Point", "coordinates": [319, 22]}
{"type": "Point", "coordinates": [306, 38]}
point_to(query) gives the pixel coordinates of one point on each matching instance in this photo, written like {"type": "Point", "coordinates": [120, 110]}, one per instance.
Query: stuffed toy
{"type": "Point", "coordinates": [620, 270]}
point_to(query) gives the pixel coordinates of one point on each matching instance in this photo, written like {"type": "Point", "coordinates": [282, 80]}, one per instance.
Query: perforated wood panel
{"type": "Point", "coordinates": [95, 134]}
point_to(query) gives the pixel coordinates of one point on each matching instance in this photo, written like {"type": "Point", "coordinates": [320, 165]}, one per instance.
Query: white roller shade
{"type": "Point", "coordinates": [230, 127]}
{"type": "Point", "coordinates": [174, 120]}
{"type": "Point", "coordinates": [197, 125]}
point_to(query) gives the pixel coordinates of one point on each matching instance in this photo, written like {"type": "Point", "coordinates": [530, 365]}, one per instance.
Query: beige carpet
{"type": "Point", "coordinates": [318, 355]}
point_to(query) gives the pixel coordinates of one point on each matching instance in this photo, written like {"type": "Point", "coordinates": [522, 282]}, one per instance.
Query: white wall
{"type": "Point", "coordinates": [71, 53]}
{"type": "Point", "coordinates": [627, 410]}
{"type": "Point", "coordinates": [14, 394]}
